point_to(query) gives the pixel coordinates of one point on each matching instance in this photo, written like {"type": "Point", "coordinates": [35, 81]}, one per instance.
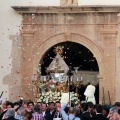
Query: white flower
{"type": "Point", "coordinates": [76, 102]}
{"type": "Point", "coordinates": [75, 98]}
{"type": "Point", "coordinates": [38, 100]}
{"type": "Point", "coordinates": [75, 94]}
{"type": "Point", "coordinates": [46, 101]}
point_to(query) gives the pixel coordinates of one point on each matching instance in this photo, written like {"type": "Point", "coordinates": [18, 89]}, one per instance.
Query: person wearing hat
{"type": "Point", "coordinates": [10, 114]}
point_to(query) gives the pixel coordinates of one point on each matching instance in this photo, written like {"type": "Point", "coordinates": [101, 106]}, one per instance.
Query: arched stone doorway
{"type": "Point", "coordinates": [97, 52]}
{"type": "Point", "coordinates": [75, 56]}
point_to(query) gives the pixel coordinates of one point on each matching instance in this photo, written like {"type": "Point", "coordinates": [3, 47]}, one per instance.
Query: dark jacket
{"type": "Point", "coordinates": [99, 117]}
{"type": "Point", "coordinates": [49, 116]}
{"type": "Point", "coordinates": [85, 116]}
{"type": "Point", "coordinates": [1, 116]}
{"type": "Point", "coordinates": [11, 118]}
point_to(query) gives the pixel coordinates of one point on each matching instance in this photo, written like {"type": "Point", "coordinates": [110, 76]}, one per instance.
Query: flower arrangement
{"type": "Point", "coordinates": [56, 96]}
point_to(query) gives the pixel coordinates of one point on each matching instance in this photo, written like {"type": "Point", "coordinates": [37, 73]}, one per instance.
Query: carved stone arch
{"type": "Point", "coordinates": [97, 52]}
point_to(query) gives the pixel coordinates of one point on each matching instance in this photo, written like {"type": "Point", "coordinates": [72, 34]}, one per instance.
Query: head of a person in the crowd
{"type": "Point", "coordinates": [21, 111]}
{"type": "Point", "coordinates": [37, 109]}
{"type": "Point", "coordinates": [57, 106]}
{"type": "Point", "coordinates": [115, 114]}
{"type": "Point", "coordinates": [92, 112]}
{"type": "Point", "coordinates": [39, 104]}
{"type": "Point", "coordinates": [67, 110]}
{"type": "Point", "coordinates": [84, 106]}
{"type": "Point", "coordinates": [31, 105]}
{"type": "Point", "coordinates": [51, 106]}
{"type": "Point", "coordinates": [28, 116]}
{"type": "Point", "coordinates": [117, 105]}
{"type": "Point", "coordinates": [9, 105]}
{"type": "Point", "coordinates": [10, 113]}
{"type": "Point", "coordinates": [105, 110]}
{"type": "Point", "coordinates": [25, 106]}
{"type": "Point", "coordinates": [71, 110]}
{"type": "Point", "coordinates": [77, 112]}
{"type": "Point", "coordinates": [111, 111]}
{"type": "Point", "coordinates": [15, 105]}
{"type": "Point", "coordinates": [43, 107]}
{"type": "Point", "coordinates": [90, 106]}
{"type": "Point", "coordinates": [98, 108]}
{"type": "Point", "coordinates": [4, 105]}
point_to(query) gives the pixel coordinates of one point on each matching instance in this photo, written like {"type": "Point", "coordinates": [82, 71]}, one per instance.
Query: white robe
{"type": "Point", "coordinates": [89, 93]}
{"type": "Point", "coordinates": [64, 98]}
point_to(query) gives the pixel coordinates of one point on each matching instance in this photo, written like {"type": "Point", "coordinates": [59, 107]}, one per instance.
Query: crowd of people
{"type": "Point", "coordinates": [23, 110]}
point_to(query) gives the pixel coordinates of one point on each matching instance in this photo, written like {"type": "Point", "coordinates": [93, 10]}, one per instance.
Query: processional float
{"type": "Point", "coordinates": [57, 85]}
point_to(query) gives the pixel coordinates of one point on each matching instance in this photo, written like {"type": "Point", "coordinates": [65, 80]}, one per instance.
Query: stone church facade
{"type": "Point", "coordinates": [97, 28]}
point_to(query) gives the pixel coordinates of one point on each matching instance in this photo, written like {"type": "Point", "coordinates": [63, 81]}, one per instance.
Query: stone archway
{"type": "Point", "coordinates": [97, 52]}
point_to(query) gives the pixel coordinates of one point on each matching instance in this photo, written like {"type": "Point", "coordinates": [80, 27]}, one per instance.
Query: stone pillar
{"type": "Point", "coordinates": [28, 86]}
{"type": "Point", "coordinates": [100, 77]}
{"type": "Point", "coordinates": [109, 37]}
{"type": "Point", "coordinates": [117, 66]}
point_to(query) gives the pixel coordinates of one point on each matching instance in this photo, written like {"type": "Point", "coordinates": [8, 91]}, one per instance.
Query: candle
{"type": "Point", "coordinates": [71, 78]}
{"type": "Point", "coordinates": [44, 78]}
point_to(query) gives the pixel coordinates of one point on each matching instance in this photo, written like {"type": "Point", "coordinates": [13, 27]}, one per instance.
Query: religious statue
{"type": "Point", "coordinates": [58, 84]}
{"type": "Point", "coordinates": [59, 87]}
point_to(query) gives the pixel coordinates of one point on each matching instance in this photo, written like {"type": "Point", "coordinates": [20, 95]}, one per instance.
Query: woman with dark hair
{"type": "Point", "coordinates": [28, 116]}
